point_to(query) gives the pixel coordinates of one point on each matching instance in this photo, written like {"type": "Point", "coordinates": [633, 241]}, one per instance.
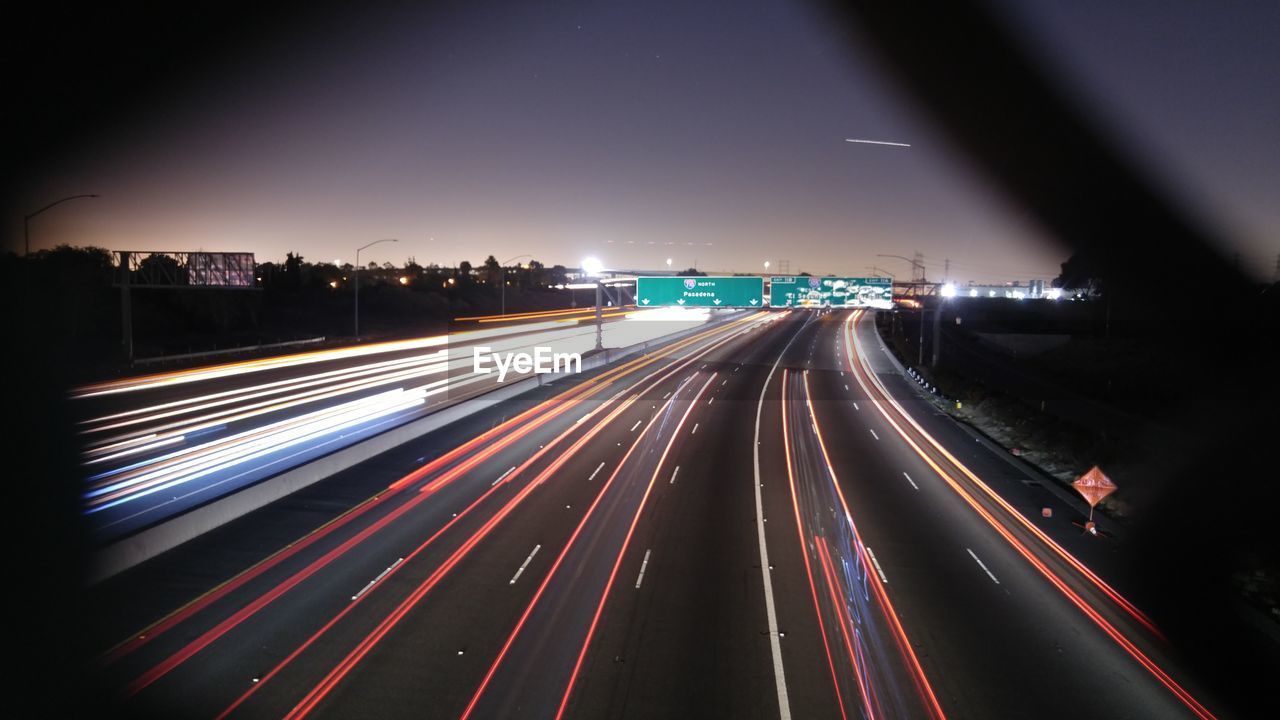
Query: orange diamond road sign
{"type": "Point", "coordinates": [1094, 485]}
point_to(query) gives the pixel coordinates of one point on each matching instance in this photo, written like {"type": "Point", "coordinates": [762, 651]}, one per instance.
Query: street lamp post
{"type": "Point", "coordinates": [26, 220]}
{"type": "Point", "coordinates": [920, 344]}
{"type": "Point", "coordinates": [592, 267]}
{"type": "Point", "coordinates": [357, 281]}
{"type": "Point", "coordinates": [503, 268]}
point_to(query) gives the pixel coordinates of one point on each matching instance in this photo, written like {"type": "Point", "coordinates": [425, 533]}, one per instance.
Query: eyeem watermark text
{"type": "Point", "coordinates": [541, 361]}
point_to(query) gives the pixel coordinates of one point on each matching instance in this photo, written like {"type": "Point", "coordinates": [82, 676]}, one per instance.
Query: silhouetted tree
{"type": "Point", "coordinates": [492, 271]}
{"type": "Point", "coordinates": [292, 275]}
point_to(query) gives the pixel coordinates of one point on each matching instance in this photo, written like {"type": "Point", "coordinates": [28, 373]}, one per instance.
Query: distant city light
{"type": "Point", "coordinates": [592, 266]}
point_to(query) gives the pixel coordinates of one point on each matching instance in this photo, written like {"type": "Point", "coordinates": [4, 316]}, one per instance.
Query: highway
{"type": "Point", "coordinates": [763, 519]}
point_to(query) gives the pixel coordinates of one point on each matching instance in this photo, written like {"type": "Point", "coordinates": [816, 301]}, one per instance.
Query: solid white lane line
{"type": "Point", "coordinates": [913, 482]}
{"type": "Point", "coordinates": [673, 475]}
{"type": "Point", "coordinates": [771, 612]}
{"type": "Point", "coordinates": [633, 427]}
{"type": "Point", "coordinates": [695, 429]}
{"type": "Point", "coordinates": [524, 565]}
{"type": "Point", "coordinates": [984, 567]}
{"type": "Point", "coordinates": [643, 566]}
{"type": "Point", "coordinates": [374, 581]}
{"type": "Point", "coordinates": [503, 475]}
{"type": "Point", "coordinates": [876, 563]}
{"type": "Point", "coordinates": [873, 434]}
{"type": "Point", "coordinates": [595, 472]}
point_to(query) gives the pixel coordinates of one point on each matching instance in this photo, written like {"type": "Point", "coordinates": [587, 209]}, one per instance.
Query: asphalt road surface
{"type": "Point", "coordinates": [762, 520]}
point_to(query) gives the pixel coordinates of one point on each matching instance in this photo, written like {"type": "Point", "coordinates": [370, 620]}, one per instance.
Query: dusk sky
{"type": "Point", "coordinates": [711, 133]}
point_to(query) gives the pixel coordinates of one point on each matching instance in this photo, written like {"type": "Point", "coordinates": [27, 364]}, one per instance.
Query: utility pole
{"type": "Point", "coordinates": [920, 344]}
{"type": "Point", "coordinates": [599, 317]}
{"type": "Point", "coordinates": [937, 336]}
{"type": "Point", "coordinates": [126, 308]}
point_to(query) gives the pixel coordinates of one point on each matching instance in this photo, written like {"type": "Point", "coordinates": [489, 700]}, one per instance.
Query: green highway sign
{"type": "Point", "coordinates": [806, 291]}
{"type": "Point", "coordinates": [707, 292]}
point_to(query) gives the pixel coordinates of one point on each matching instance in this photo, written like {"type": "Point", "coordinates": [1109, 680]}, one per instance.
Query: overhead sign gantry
{"type": "Point", "coordinates": [814, 291]}
{"type": "Point", "coordinates": [700, 291]}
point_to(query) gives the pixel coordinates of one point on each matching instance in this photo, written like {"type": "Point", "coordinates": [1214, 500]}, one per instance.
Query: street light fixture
{"type": "Point", "coordinates": [766, 267]}
{"type": "Point", "coordinates": [357, 278]}
{"type": "Point", "coordinates": [26, 219]}
{"type": "Point", "coordinates": [503, 268]}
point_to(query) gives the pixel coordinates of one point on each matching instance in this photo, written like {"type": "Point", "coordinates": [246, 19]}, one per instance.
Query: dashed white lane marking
{"type": "Point", "coordinates": [913, 482]}
{"type": "Point", "coordinates": [725, 381]}
{"type": "Point", "coordinates": [873, 434]}
{"type": "Point", "coordinates": [855, 406]}
{"type": "Point", "coordinates": [374, 581]}
{"type": "Point", "coordinates": [984, 567]}
{"type": "Point", "coordinates": [846, 387]}
{"type": "Point", "coordinates": [664, 397]}
{"type": "Point", "coordinates": [594, 472]}
{"type": "Point", "coordinates": [876, 563]}
{"type": "Point", "coordinates": [695, 429]}
{"type": "Point", "coordinates": [503, 475]}
{"type": "Point", "coordinates": [524, 565]}
{"type": "Point", "coordinates": [643, 566]}
{"type": "Point", "coordinates": [673, 475]}
{"type": "Point", "coordinates": [711, 401]}
{"type": "Point", "coordinates": [633, 427]}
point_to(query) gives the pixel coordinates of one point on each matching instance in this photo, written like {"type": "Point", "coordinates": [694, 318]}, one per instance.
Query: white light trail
{"type": "Point", "coordinates": [877, 142]}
